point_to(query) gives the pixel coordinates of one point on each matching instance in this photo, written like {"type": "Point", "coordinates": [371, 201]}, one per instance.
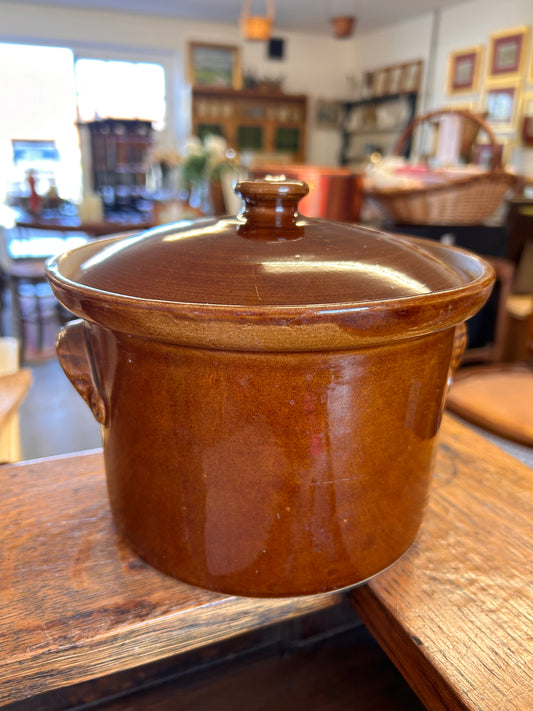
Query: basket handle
{"type": "Point", "coordinates": [496, 161]}
{"type": "Point", "coordinates": [269, 8]}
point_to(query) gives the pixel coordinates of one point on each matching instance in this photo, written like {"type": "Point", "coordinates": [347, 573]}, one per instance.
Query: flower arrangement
{"type": "Point", "coordinates": [206, 160]}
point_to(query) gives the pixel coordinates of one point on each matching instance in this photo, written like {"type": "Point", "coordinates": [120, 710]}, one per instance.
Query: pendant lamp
{"type": "Point", "coordinates": [257, 27]}
{"type": "Point", "coordinates": [343, 26]}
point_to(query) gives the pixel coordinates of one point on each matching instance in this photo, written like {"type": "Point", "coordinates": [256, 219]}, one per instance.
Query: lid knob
{"type": "Point", "coordinates": [271, 207]}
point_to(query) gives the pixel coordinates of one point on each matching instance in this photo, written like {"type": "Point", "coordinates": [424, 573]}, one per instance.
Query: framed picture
{"type": "Point", "coordinates": [327, 113]}
{"type": "Point", "coordinates": [484, 154]}
{"type": "Point", "coordinates": [216, 65]}
{"type": "Point", "coordinates": [366, 86]}
{"type": "Point", "coordinates": [411, 76]}
{"type": "Point", "coordinates": [379, 83]}
{"type": "Point", "coordinates": [507, 52]}
{"type": "Point", "coordinates": [501, 104]}
{"type": "Point", "coordinates": [394, 79]}
{"type": "Point", "coordinates": [463, 71]}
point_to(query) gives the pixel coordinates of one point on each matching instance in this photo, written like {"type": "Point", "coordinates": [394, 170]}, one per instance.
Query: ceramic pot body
{"type": "Point", "coordinates": [269, 388]}
{"type": "Point", "coordinates": [268, 473]}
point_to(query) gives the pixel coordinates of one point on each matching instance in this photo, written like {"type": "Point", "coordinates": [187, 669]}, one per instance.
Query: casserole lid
{"type": "Point", "coordinates": [270, 262]}
{"type": "Point", "coordinates": [268, 255]}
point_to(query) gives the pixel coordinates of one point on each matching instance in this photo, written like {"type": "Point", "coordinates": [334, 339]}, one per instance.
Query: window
{"type": "Point", "coordinates": [119, 89]}
{"type": "Point", "coordinates": [38, 128]}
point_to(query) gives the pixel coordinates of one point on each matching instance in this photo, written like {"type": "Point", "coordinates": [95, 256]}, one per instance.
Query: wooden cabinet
{"type": "Point", "coordinates": [119, 151]}
{"type": "Point", "coordinates": [261, 122]}
{"type": "Point", "coordinates": [374, 125]}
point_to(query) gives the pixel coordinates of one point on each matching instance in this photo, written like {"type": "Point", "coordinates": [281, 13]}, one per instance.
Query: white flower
{"type": "Point", "coordinates": [194, 146]}
{"type": "Point", "coordinates": [216, 145]}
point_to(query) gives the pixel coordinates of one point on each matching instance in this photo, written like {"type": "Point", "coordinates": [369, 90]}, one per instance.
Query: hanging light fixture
{"type": "Point", "coordinates": [342, 17]}
{"type": "Point", "coordinates": [257, 27]}
{"type": "Point", "coordinates": [343, 26]}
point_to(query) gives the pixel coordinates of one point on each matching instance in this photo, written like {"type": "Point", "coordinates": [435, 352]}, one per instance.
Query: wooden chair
{"type": "Point", "coordinates": [498, 397]}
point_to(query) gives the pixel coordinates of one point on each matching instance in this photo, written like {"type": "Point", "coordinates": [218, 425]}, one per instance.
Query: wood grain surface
{"type": "Point", "coordinates": [78, 604]}
{"type": "Point", "coordinates": [455, 614]}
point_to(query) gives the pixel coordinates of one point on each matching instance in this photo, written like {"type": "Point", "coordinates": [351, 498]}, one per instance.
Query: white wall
{"type": "Point", "coordinates": [405, 42]}
{"type": "Point", "coordinates": [315, 65]}
{"type": "Point", "coordinates": [433, 37]}
{"type": "Point", "coordinates": [310, 65]}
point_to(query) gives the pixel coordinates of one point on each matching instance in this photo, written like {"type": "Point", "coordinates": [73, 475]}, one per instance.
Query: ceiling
{"type": "Point", "coordinates": [302, 15]}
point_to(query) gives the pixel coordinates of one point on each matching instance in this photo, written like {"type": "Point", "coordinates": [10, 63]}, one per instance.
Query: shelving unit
{"type": "Point", "coordinates": [118, 157]}
{"type": "Point", "coordinates": [374, 124]}
{"type": "Point", "coordinates": [265, 122]}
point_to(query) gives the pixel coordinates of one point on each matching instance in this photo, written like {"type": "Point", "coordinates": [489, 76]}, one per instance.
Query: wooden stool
{"type": "Point", "coordinates": [498, 398]}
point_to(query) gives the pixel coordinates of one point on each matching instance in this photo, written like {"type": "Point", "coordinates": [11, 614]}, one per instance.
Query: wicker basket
{"type": "Point", "coordinates": [464, 200]}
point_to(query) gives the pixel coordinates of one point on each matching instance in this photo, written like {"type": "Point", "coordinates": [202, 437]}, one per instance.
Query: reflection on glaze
{"type": "Point", "coordinates": [393, 276]}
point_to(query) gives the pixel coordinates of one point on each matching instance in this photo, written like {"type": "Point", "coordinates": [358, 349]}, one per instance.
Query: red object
{"type": "Point", "coordinates": [34, 201]}
{"type": "Point", "coordinates": [335, 193]}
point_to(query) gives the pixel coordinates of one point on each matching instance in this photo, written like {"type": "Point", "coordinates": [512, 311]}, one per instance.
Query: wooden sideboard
{"type": "Point", "coordinates": [454, 614]}
{"type": "Point", "coordinates": [262, 122]}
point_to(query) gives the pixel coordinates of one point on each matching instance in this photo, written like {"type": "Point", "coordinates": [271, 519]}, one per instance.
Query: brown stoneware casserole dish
{"type": "Point", "coordinates": [269, 387]}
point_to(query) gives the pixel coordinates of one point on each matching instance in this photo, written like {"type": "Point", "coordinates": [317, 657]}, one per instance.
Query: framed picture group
{"type": "Point", "coordinates": [493, 79]}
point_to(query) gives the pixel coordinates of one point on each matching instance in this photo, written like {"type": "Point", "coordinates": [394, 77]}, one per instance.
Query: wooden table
{"type": "Point", "coordinates": [99, 228]}
{"type": "Point", "coordinates": [454, 614]}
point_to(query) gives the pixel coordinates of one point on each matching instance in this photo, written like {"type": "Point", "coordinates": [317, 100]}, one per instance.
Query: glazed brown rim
{"type": "Point", "coordinates": [308, 327]}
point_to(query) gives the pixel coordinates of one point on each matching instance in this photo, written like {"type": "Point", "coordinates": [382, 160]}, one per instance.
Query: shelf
{"type": "Point", "coordinates": [371, 132]}
{"type": "Point", "coordinates": [353, 139]}
{"type": "Point", "coordinates": [233, 115]}
{"type": "Point", "coordinates": [410, 95]}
